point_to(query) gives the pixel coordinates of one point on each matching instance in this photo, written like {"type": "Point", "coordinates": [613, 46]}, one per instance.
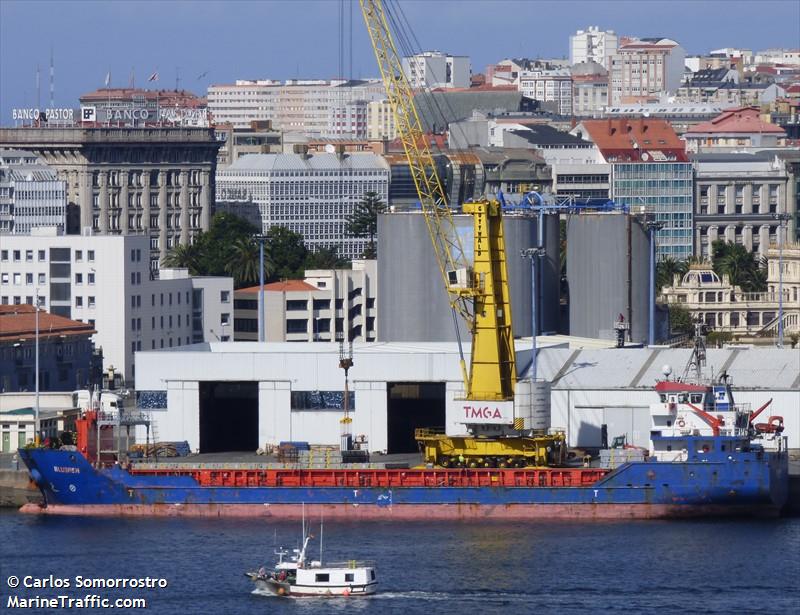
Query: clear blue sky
{"type": "Point", "coordinates": [283, 39]}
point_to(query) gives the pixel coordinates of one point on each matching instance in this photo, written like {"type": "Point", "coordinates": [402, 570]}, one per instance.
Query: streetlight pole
{"type": "Point", "coordinates": [652, 226]}
{"type": "Point", "coordinates": [782, 220]}
{"type": "Point", "coordinates": [533, 254]}
{"type": "Point", "coordinates": [36, 421]}
{"type": "Point", "coordinates": [261, 332]}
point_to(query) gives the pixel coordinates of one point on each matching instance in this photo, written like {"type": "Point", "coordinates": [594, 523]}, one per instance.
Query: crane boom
{"type": "Point", "coordinates": [477, 291]}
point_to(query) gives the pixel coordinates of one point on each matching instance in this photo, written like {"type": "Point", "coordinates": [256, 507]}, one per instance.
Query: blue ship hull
{"type": "Point", "coordinates": [751, 482]}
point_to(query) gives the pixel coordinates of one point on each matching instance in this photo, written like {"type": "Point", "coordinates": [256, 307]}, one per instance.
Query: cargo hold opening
{"type": "Point", "coordinates": [411, 405]}
{"type": "Point", "coordinates": [228, 416]}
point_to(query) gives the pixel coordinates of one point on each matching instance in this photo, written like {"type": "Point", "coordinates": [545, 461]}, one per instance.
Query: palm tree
{"type": "Point", "coordinates": [363, 222]}
{"type": "Point", "coordinates": [185, 256]}
{"type": "Point", "coordinates": [243, 262]}
{"type": "Point", "coordinates": [666, 269]}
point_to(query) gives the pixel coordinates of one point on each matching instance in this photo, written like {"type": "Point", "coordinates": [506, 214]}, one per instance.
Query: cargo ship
{"type": "Point", "coordinates": [708, 456]}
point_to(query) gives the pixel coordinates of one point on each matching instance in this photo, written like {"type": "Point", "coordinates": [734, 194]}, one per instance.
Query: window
{"type": "Point", "coordinates": [225, 296]}
{"type": "Point", "coordinates": [41, 255]}
{"type": "Point", "coordinates": [91, 278]}
{"type": "Point", "coordinates": [42, 279]}
{"type": "Point", "coordinates": [78, 301]}
{"type": "Point", "coordinates": [3, 255]}
{"type": "Point", "coordinates": [78, 278]}
{"type": "Point", "coordinates": [91, 301]}
{"type": "Point", "coordinates": [29, 278]}
{"type": "Point", "coordinates": [3, 278]}
{"type": "Point", "coordinates": [17, 256]}
{"type": "Point", "coordinates": [78, 256]}
{"type": "Point", "coordinates": [90, 256]}
{"type": "Point", "coordinates": [349, 577]}
{"type": "Point", "coordinates": [29, 256]}
{"type": "Point", "coordinates": [322, 577]}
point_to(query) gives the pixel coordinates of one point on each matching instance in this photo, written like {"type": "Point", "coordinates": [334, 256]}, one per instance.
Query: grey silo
{"type": "Point", "coordinates": [413, 302]}
{"type": "Point", "coordinates": [597, 275]}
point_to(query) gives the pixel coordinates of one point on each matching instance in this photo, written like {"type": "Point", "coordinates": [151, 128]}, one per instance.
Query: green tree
{"type": "Point", "coordinates": [680, 319]}
{"type": "Point", "coordinates": [245, 260]}
{"type": "Point", "coordinates": [287, 252]}
{"type": "Point", "coordinates": [743, 267]}
{"type": "Point", "coordinates": [666, 269]}
{"type": "Point", "coordinates": [216, 245]}
{"type": "Point", "coordinates": [186, 256]}
{"type": "Point", "coordinates": [326, 258]}
{"type": "Point", "coordinates": [363, 222]}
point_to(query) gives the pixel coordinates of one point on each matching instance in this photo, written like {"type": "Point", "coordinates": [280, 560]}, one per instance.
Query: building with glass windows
{"type": "Point", "coordinates": [650, 173]}
{"type": "Point", "coordinates": [310, 195]}
{"type": "Point", "coordinates": [31, 195]}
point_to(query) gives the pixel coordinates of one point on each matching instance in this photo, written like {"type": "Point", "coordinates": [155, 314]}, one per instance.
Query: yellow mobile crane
{"type": "Point", "coordinates": [478, 292]}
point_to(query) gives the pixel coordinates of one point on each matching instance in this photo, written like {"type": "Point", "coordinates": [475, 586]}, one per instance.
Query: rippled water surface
{"type": "Point", "coordinates": [708, 566]}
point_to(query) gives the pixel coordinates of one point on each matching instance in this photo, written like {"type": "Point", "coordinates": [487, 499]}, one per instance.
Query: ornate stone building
{"type": "Point", "coordinates": [153, 181]}
{"type": "Point", "coordinates": [725, 307]}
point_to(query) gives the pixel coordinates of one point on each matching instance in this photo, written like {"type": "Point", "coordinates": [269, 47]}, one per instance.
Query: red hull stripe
{"type": "Point", "coordinates": [406, 511]}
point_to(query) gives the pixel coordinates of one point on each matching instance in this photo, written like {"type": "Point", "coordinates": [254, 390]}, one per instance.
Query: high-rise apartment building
{"type": "Point", "coordinates": [31, 195]}
{"type": "Point", "coordinates": [310, 195]}
{"type": "Point", "coordinates": [552, 87]}
{"type": "Point", "coordinates": [152, 181]}
{"type": "Point", "coordinates": [380, 121]}
{"type": "Point", "coordinates": [592, 45]}
{"type": "Point", "coordinates": [644, 68]}
{"type": "Point", "coordinates": [104, 281]}
{"type": "Point", "coordinates": [434, 69]}
{"type": "Point", "coordinates": [310, 107]}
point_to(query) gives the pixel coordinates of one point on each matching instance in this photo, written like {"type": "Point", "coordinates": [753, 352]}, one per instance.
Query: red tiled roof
{"type": "Point", "coordinates": [738, 120]}
{"type": "Point", "coordinates": [19, 322]}
{"type": "Point", "coordinates": [282, 286]}
{"type": "Point", "coordinates": [630, 137]}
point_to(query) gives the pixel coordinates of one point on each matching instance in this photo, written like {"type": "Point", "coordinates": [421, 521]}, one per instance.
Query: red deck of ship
{"type": "Point", "coordinates": [533, 477]}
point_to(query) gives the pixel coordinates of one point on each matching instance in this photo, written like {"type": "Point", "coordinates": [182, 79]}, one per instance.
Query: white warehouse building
{"type": "Point", "coordinates": [241, 396]}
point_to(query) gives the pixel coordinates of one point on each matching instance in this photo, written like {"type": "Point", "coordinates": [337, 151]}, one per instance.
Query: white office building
{"type": "Point", "coordinates": [31, 195]}
{"type": "Point", "coordinates": [549, 86]}
{"type": "Point", "coordinates": [434, 69]}
{"type": "Point", "coordinates": [592, 45]}
{"type": "Point", "coordinates": [304, 106]}
{"type": "Point", "coordinates": [310, 195]}
{"type": "Point", "coordinates": [104, 280]}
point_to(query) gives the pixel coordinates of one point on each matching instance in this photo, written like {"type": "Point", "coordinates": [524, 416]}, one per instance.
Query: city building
{"type": "Point", "coordinates": [726, 308]}
{"type": "Point", "coordinates": [105, 281]}
{"type": "Point", "coordinates": [380, 121]}
{"type": "Point", "coordinates": [141, 107]}
{"type": "Point", "coordinates": [704, 84]}
{"type": "Point", "coordinates": [304, 106]}
{"type": "Point", "coordinates": [258, 138]}
{"type": "Point", "coordinates": [434, 69]}
{"type": "Point", "coordinates": [437, 110]}
{"type": "Point", "coordinates": [65, 351]}
{"type": "Point", "coordinates": [593, 45]}
{"type": "Point", "coordinates": [645, 67]}
{"type": "Point", "coordinates": [589, 89]}
{"type": "Point", "coordinates": [156, 182]}
{"type": "Point", "coordinates": [682, 116]}
{"type": "Point", "coordinates": [649, 171]}
{"type": "Point", "coordinates": [326, 306]}
{"type": "Point", "coordinates": [739, 129]}
{"type": "Point", "coordinates": [737, 198]}
{"type": "Point", "coordinates": [31, 195]}
{"type": "Point", "coordinates": [552, 88]}
{"type": "Point", "coordinates": [310, 195]}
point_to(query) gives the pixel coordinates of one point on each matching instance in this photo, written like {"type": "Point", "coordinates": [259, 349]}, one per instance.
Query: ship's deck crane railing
{"type": "Point", "coordinates": [477, 291]}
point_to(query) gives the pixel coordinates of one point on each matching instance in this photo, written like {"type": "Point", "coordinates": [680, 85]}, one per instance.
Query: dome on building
{"type": "Point", "coordinates": [700, 277]}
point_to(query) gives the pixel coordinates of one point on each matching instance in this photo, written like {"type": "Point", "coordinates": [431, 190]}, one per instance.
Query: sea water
{"type": "Point", "coordinates": [709, 566]}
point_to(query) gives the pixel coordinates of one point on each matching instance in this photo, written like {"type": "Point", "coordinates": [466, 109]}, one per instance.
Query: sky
{"type": "Point", "coordinates": [207, 41]}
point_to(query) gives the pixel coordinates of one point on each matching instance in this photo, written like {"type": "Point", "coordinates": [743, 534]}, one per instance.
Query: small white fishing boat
{"type": "Point", "coordinates": [296, 576]}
